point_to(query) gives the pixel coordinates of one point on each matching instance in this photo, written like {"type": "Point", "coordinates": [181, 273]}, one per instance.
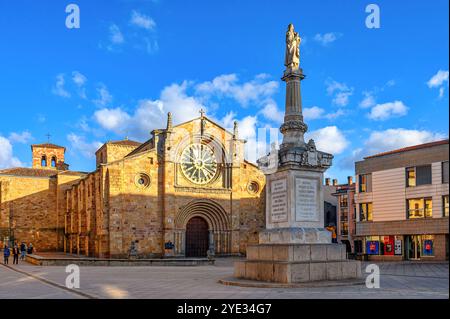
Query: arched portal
{"type": "Point", "coordinates": [217, 224]}
{"type": "Point", "coordinates": [197, 237]}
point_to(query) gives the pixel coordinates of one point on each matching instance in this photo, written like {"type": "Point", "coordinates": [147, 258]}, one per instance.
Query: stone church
{"type": "Point", "coordinates": [186, 191]}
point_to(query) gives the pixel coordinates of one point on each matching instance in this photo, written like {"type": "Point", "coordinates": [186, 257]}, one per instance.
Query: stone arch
{"type": "Point", "coordinates": [212, 212]}
{"type": "Point", "coordinates": [218, 221]}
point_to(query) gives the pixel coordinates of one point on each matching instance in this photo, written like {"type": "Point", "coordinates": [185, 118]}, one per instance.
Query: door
{"type": "Point", "coordinates": [414, 247]}
{"type": "Point", "coordinates": [197, 237]}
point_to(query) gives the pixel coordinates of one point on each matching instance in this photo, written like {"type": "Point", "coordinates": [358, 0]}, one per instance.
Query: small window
{"type": "Point", "coordinates": [44, 161]}
{"type": "Point", "coordinates": [53, 161]}
{"type": "Point", "coordinates": [410, 176]}
{"type": "Point", "coordinates": [419, 175]}
{"type": "Point", "coordinates": [445, 172]}
{"type": "Point", "coordinates": [365, 183]}
{"type": "Point", "coordinates": [365, 212]}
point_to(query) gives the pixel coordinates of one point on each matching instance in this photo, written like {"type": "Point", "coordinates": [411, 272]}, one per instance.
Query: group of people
{"type": "Point", "coordinates": [17, 250]}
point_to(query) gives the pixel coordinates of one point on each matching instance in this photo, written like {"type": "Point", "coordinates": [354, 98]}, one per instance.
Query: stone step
{"type": "Point", "coordinates": [297, 252]}
{"type": "Point", "coordinates": [297, 272]}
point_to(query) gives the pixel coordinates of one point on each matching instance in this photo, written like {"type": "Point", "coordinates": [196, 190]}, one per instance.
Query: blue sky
{"type": "Point", "coordinates": [131, 61]}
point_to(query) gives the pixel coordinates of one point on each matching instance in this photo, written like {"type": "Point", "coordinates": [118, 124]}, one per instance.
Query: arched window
{"type": "Point", "coordinates": [44, 161]}
{"type": "Point", "coordinates": [53, 161]}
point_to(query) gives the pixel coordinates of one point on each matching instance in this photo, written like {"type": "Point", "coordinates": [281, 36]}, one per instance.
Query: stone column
{"type": "Point", "coordinates": [293, 128]}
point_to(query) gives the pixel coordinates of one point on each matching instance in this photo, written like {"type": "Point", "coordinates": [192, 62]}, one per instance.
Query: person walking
{"type": "Point", "coordinates": [23, 250]}
{"type": "Point", "coordinates": [15, 255]}
{"type": "Point", "coordinates": [30, 249]}
{"type": "Point", "coordinates": [6, 254]}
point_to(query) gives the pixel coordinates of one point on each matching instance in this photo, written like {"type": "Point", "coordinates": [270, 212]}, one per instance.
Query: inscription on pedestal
{"type": "Point", "coordinates": [306, 200]}
{"type": "Point", "coordinates": [278, 201]}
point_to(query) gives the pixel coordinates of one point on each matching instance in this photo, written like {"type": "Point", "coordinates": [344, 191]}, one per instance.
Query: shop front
{"type": "Point", "coordinates": [419, 239]}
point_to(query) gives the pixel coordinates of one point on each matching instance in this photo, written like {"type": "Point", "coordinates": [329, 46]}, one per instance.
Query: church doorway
{"type": "Point", "coordinates": [197, 237]}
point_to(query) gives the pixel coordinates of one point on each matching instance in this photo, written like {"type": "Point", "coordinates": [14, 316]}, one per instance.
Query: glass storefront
{"type": "Point", "coordinates": [384, 245]}
{"type": "Point", "coordinates": [418, 246]}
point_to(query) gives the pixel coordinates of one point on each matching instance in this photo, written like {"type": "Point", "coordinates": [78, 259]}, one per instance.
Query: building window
{"type": "Point", "coordinates": [44, 161]}
{"type": "Point", "coordinates": [53, 161]}
{"type": "Point", "coordinates": [445, 206]}
{"type": "Point", "coordinates": [420, 208]}
{"type": "Point", "coordinates": [365, 183]}
{"type": "Point", "coordinates": [343, 201]}
{"type": "Point", "coordinates": [344, 228]}
{"type": "Point", "coordinates": [410, 176]}
{"type": "Point", "coordinates": [445, 172]}
{"type": "Point", "coordinates": [419, 175]}
{"type": "Point", "coordinates": [365, 212]}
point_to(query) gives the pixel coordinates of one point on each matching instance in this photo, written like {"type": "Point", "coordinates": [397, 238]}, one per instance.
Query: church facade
{"type": "Point", "coordinates": [186, 191]}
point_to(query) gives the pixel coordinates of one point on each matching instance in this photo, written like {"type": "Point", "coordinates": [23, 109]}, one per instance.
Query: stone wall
{"type": "Point", "coordinates": [28, 208]}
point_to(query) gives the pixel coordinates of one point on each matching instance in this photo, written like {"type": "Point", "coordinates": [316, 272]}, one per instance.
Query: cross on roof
{"type": "Point", "coordinates": [48, 137]}
{"type": "Point", "coordinates": [202, 112]}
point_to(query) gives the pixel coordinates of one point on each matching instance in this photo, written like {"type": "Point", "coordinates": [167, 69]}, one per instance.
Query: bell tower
{"type": "Point", "coordinates": [49, 156]}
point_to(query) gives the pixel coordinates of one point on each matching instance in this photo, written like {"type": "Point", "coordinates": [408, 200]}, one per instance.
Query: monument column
{"type": "Point", "coordinates": [295, 247]}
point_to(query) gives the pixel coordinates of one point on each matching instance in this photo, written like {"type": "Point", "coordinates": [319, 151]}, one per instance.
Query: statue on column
{"type": "Point", "coordinates": [293, 40]}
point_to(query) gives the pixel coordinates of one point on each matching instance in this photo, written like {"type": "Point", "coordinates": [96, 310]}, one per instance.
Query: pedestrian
{"type": "Point", "coordinates": [30, 249]}
{"type": "Point", "coordinates": [23, 250]}
{"type": "Point", "coordinates": [15, 255]}
{"type": "Point", "coordinates": [6, 254]}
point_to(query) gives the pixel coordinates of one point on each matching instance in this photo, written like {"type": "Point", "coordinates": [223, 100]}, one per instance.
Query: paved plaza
{"type": "Point", "coordinates": [398, 280]}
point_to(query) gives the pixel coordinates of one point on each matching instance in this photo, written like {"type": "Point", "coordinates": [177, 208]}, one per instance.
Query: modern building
{"type": "Point", "coordinates": [330, 208]}
{"type": "Point", "coordinates": [402, 203]}
{"type": "Point", "coordinates": [346, 213]}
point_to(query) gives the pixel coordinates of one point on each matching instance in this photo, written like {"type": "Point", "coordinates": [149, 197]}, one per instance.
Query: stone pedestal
{"type": "Point", "coordinates": [294, 208]}
{"type": "Point", "coordinates": [297, 263]}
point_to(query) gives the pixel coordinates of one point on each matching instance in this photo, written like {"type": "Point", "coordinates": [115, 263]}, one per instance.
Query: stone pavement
{"type": "Point", "coordinates": [398, 280]}
{"type": "Point", "coordinates": [14, 285]}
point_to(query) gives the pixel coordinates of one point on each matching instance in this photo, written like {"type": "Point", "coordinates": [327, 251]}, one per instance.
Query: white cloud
{"type": "Point", "coordinates": [381, 112]}
{"type": "Point", "coordinates": [115, 35]}
{"type": "Point", "coordinates": [79, 80]}
{"type": "Point", "coordinates": [151, 114]}
{"type": "Point", "coordinates": [438, 79]}
{"type": "Point", "coordinates": [227, 85]}
{"type": "Point", "coordinates": [112, 119]}
{"type": "Point", "coordinates": [59, 89]}
{"type": "Point", "coordinates": [271, 112]}
{"type": "Point", "coordinates": [79, 145]}
{"type": "Point", "coordinates": [368, 101]}
{"type": "Point", "coordinates": [329, 139]}
{"type": "Point", "coordinates": [326, 38]}
{"type": "Point", "coordinates": [315, 112]}
{"type": "Point", "coordinates": [142, 21]}
{"type": "Point", "coordinates": [228, 120]}
{"type": "Point", "coordinates": [7, 158]}
{"type": "Point", "coordinates": [23, 137]}
{"type": "Point", "coordinates": [391, 139]}
{"type": "Point", "coordinates": [104, 97]}
{"type": "Point", "coordinates": [340, 92]}
{"type": "Point", "coordinates": [256, 146]}
{"type": "Point", "coordinates": [388, 140]}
